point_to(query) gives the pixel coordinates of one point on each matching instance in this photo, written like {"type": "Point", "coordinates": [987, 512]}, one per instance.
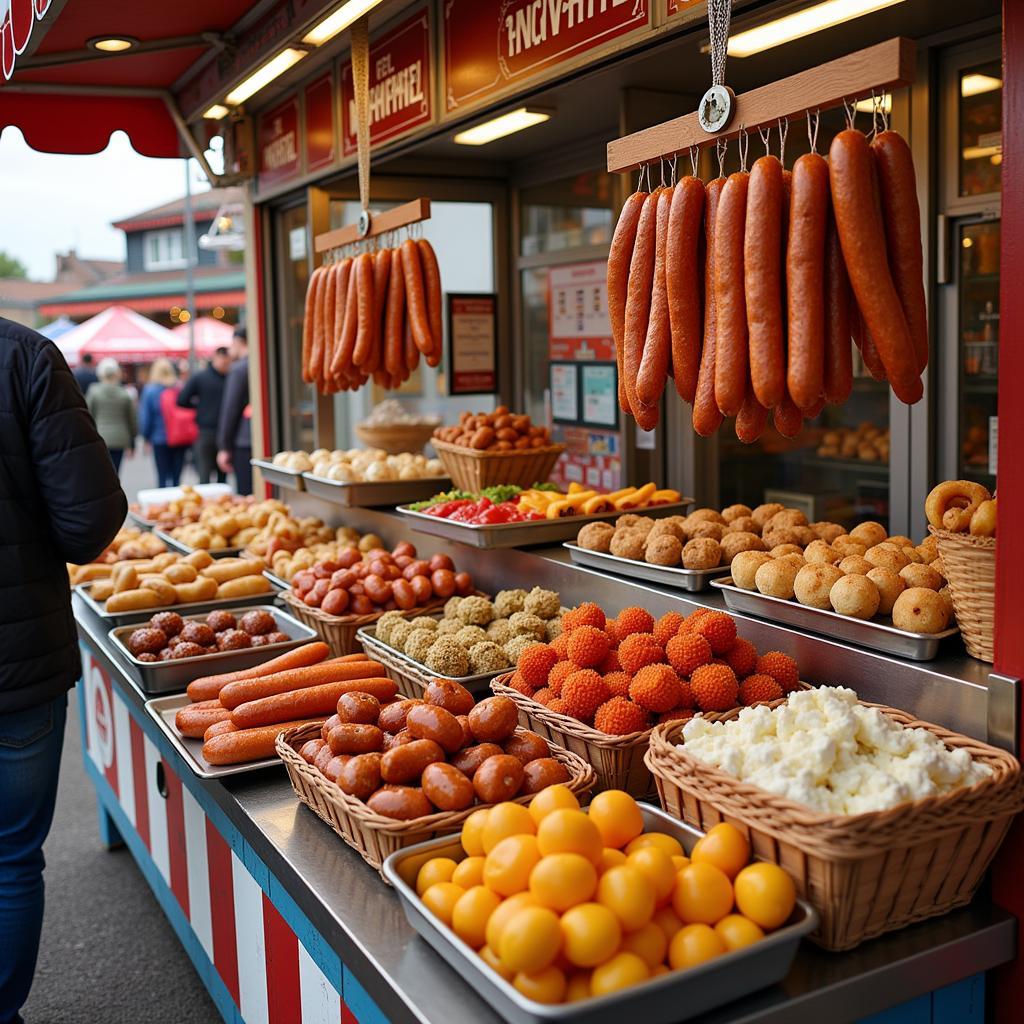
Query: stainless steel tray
{"type": "Point", "coordinates": [142, 614]}
{"type": "Point", "coordinates": [174, 676]}
{"type": "Point", "coordinates": [666, 575]}
{"type": "Point", "coordinates": [277, 581]}
{"type": "Point", "coordinates": [375, 493]}
{"type": "Point", "coordinates": [278, 475]}
{"type": "Point", "coordinates": [517, 535]}
{"type": "Point", "coordinates": [140, 521]}
{"type": "Point", "coordinates": [672, 997]}
{"type": "Point", "coordinates": [178, 545]}
{"type": "Point", "coordinates": [163, 709]}
{"type": "Point", "coordinates": [877, 634]}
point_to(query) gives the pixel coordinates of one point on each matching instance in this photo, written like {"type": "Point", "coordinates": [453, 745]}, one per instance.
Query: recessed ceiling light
{"type": "Point", "coordinates": [113, 44]}
{"type": "Point", "coordinates": [499, 127]}
{"type": "Point", "coordinates": [264, 75]}
{"type": "Point", "coordinates": [337, 20]}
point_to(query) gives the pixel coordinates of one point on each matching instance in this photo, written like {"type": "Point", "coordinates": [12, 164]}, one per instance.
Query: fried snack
{"type": "Point", "coordinates": [731, 512]}
{"type": "Point", "coordinates": [734, 543]}
{"type": "Point", "coordinates": [702, 553]}
{"type": "Point", "coordinates": [960, 497]}
{"type": "Point", "coordinates": [854, 595]}
{"type": "Point", "coordinates": [776, 578]}
{"type": "Point", "coordinates": [813, 583]}
{"type": "Point", "coordinates": [160, 586]}
{"type": "Point", "coordinates": [888, 556]}
{"type": "Point", "coordinates": [901, 540]}
{"type": "Point", "coordinates": [773, 536]}
{"type": "Point", "coordinates": [743, 524]}
{"type": "Point", "coordinates": [819, 551]}
{"type": "Point", "coordinates": [101, 590]}
{"type": "Point", "coordinates": [947, 599]}
{"type": "Point", "coordinates": [827, 531]}
{"type": "Point", "coordinates": [763, 513]}
{"type": "Point", "coordinates": [132, 600]}
{"type": "Point", "coordinates": [786, 549]}
{"type": "Point", "coordinates": [243, 586]}
{"type": "Point", "coordinates": [869, 533]}
{"type": "Point", "coordinates": [666, 528]}
{"type": "Point", "coordinates": [201, 589]}
{"type": "Point", "coordinates": [928, 549]}
{"type": "Point", "coordinates": [631, 521]}
{"type": "Point", "coordinates": [663, 550]}
{"type": "Point", "coordinates": [983, 522]}
{"type": "Point", "coordinates": [915, 575]}
{"type": "Point", "coordinates": [787, 517]}
{"type": "Point", "coordinates": [857, 564]}
{"type": "Point", "coordinates": [804, 535]}
{"type": "Point", "coordinates": [919, 610]}
{"type": "Point", "coordinates": [890, 585]}
{"type": "Point", "coordinates": [716, 531]}
{"type": "Point", "coordinates": [628, 543]}
{"type": "Point", "coordinates": [847, 545]}
{"type": "Point", "coordinates": [744, 567]}
{"type": "Point", "coordinates": [233, 568]}
{"type": "Point", "coordinates": [911, 552]}
{"type": "Point", "coordinates": [596, 536]}
{"type": "Point", "coordinates": [701, 515]}
{"type": "Point", "coordinates": [795, 557]}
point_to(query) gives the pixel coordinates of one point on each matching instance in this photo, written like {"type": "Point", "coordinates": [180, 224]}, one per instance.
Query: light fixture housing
{"type": "Point", "coordinates": [112, 44]}
{"type": "Point", "coordinates": [802, 23]}
{"type": "Point", "coordinates": [216, 112]}
{"type": "Point", "coordinates": [975, 84]}
{"type": "Point", "coordinates": [338, 20]}
{"type": "Point", "coordinates": [870, 104]}
{"type": "Point", "coordinates": [505, 124]}
{"type": "Point", "coordinates": [264, 75]}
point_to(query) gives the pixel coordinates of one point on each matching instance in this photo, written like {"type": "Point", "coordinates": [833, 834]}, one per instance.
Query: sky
{"type": "Point", "coordinates": [52, 202]}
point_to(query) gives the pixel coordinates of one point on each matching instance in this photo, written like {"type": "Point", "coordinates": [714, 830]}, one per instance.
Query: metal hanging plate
{"type": "Point", "coordinates": [716, 108]}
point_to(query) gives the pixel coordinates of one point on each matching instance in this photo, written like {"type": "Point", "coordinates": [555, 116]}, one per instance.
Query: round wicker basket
{"type": "Point", "coordinates": [472, 470]}
{"type": "Point", "coordinates": [969, 565]}
{"type": "Point", "coordinates": [396, 438]}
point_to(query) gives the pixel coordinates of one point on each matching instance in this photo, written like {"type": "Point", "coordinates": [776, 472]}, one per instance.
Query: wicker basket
{"type": "Point", "coordinates": [374, 836]}
{"type": "Point", "coordinates": [471, 470]}
{"type": "Point", "coordinates": [339, 631]}
{"type": "Point", "coordinates": [969, 565]}
{"type": "Point", "coordinates": [397, 438]}
{"type": "Point", "coordinates": [865, 874]}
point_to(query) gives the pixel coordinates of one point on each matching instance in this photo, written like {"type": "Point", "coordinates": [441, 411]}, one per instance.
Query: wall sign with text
{"type": "Point", "coordinates": [278, 144]}
{"type": "Point", "coordinates": [473, 344]}
{"type": "Point", "coordinates": [319, 118]}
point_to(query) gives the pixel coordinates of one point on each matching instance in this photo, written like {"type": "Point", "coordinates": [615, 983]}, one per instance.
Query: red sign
{"type": "Point", "coordinates": [319, 123]}
{"type": "Point", "coordinates": [279, 143]}
{"type": "Point", "coordinates": [399, 84]}
{"type": "Point", "coordinates": [16, 28]}
{"type": "Point", "coordinates": [490, 45]}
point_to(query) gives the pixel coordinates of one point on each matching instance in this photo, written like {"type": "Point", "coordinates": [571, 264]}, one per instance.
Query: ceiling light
{"type": "Point", "coordinates": [264, 76]}
{"type": "Point", "coordinates": [869, 105]}
{"type": "Point", "coordinates": [499, 127]}
{"type": "Point", "coordinates": [980, 152]}
{"type": "Point", "coordinates": [338, 20]}
{"type": "Point", "coordinates": [973, 84]}
{"type": "Point", "coordinates": [216, 112]}
{"type": "Point", "coordinates": [802, 23]}
{"type": "Point", "coordinates": [113, 44]}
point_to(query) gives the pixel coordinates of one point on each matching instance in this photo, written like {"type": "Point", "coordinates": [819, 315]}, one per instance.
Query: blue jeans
{"type": "Point", "coordinates": [169, 462]}
{"type": "Point", "coordinates": [30, 748]}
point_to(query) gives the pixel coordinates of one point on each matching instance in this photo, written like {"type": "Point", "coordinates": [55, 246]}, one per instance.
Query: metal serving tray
{"type": "Point", "coordinates": [174, 676]}
{"type": "Point", "coordinates": [163, 709]}
{"type": "Point", "coordinates": [375, 493]}
{"type": "Point", "coordinates": [539, 531]}
{"type": "Point", "coordinates": [140, 521]}
{"type": "Point", "coordinates": [277, 581]}
{"type": "Point", "coordinates": [672, 997]}
{"type": "Point", "coordinates": [666, 575]}
{"type": "Point", "coordinates": [137, 615]}
{"type": "Point", "coordinates": [877, 634]}
{"type": "Point", "coordinates": [278, 475]}
{"type": "Point", "coordinates": [178, 545]}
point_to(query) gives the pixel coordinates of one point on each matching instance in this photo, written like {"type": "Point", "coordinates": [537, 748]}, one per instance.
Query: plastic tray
{"type": "Point", "coordinates": [163, 709]}
{"type": "Point", "coordinates": [279, 476]}
{"type": "Point", "coordinates": [539, 531]}
{"type": "Point", "coordinates": [877, 634]}
{"type": "Point", "coordinates": [672, 997]}
{"type": "Point", "coordinates": [374, 493]}
{"type": "Point", "coordinates": [178, 545]}
{"type": "Point", "coordinates": [138, 615]}
{"type": "Point", "coordinates": [665, 575]}
{"type": "Point", "coordinates": [174, 676]}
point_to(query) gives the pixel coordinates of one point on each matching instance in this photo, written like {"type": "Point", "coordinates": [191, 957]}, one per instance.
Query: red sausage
{"type": "Point", "coordinates": [654, 363]}
{"type": "Point", "coordinates": [415, 297]}
{"type": "Point", "coordinates": [432, 292]}
{"type": "Point", "coordinates": [706, 416]}
{"type": "Point", "coordinates": [683, 283]}
{"type": "Point", "coordinates": [731, 356]}
{"type": "Point", "coordinates": [619, 256]}
{"type": "Point", "coordinates": [638, 301]}
{"type": "Point", "coordinates": [838, 374]}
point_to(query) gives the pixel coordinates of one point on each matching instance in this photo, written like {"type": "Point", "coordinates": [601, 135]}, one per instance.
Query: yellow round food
{"type": "Point", "coordinates": [561, 880]}
{"type": "Point", "coordinates": [437, 869]}
{"type": "Point", "coordinates": [508, 909]}
{"type": "Point", "coordinates": [702, 895]}
{"type": "Point", "coordinates": [470, 914]}
{"type": "Point", "coordinates": [617, 817]}
{"type": "Point", "coordinates": [440, 900]}
{"type": "Point", "coordinates": [503, 820]}
{"type": "Point", "coordinates": [668, 844]}
{"type": "Point", "coordinates": [547, 986]}
{"type": "Point", "coordinates": [568, 831]}
{"type": "Point", "coordinates": [591, 933]}
{"type": "Point", "coordinates": [622, 971]}
{"type": "Point", "coordinates": [813, 582]}
{"type": "Point", "coordinates": [920, 611]}
{"type": "Point", "coordinates": [724, 847]}
{"type": "Point", "coordinates": [819, 551]}
{"type": "Point", "coordinates": [765, 894]}
{"type": "Point", "coordinates": [493, 961]}
{"type": "Point", "coordinates": [629, 894]}
{"type": "Point", "coordinates": [473, 832]}
{"type": "Point", "coordinates": [693, 945]}
{"type": "Point", "coordinates": [469, 872]}
{"type": "Point", "coordinates": [610, 858]}
{"type": "Point", "coordinates": [649, 943]}
{"type": "Point", "coordinates": [886, 556]}
{"type": "Point", "coordinates": [507, 867]}
{"type": "Point", "coordinates": [737, 931]}
{"type": "Point", "coordinates": [855, 596]}
{"type": "Point", "coordinates": [553, 798]}
{"type": "Point", "coordinates": [890, 585]}
{"type": "Point", "coordinates": [578, 987]}
{"type": "Point", "coordinates": [657, 865]}
{"type": "Point", "coordinates": [745, 565]}
{"type": "Point", "coordinates": [917, 575]}
{"type": "Point", "coordinates": [857, 564]}
{"type": "Point", "coordinates": [869, 533]}
{"type": "Point", "coordinates": [776, 578]}
{"type": "Point", "coordinates": [530, 940]}
{"type": "Point", "coordinates": [667, 920]}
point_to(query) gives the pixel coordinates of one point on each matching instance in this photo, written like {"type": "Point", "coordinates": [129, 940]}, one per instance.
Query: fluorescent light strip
{"type": "Point", "coordinates": [867, 106]}
{"type": "Point", "coordinates": [975, 84]}
{"type": "Point", "coordinates": [216, 112]}
{"type": "Point", "coordinates": [338, 20]}
{"type": "Point", "coordinates": [802, 23]}
{"type": "Point", "coordinates": [499, 127]}
{"type": "Point", "coordinates": [264, 76]}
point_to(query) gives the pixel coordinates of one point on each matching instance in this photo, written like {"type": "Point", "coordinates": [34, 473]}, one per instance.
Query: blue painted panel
{"type": "Point", "coordinates": [960, 1003]}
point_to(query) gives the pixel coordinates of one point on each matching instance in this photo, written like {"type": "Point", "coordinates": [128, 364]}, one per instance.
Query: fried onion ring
{"type": "Point", "coordinates": [959, 497]}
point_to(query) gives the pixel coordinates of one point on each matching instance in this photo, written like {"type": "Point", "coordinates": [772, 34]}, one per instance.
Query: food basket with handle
{"type": "Point", "coordinates": [373, 836]}
{"type": "Point", "coordinates": [473, 470]}
{"type": "Point", "coordinates": [396, 437]}
{"type": "Point", "coordinates": [865, 874]}
{"type": "Point", "coordinates": [969, 565]}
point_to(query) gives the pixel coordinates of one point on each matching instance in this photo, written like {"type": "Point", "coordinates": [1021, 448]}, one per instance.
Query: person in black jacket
{"type": "Point", "coordinates": [234, 434]}
{"type": "Point", "coordinates": [60, 501]}
{"type": "Point", "coordinates": [204, 392]}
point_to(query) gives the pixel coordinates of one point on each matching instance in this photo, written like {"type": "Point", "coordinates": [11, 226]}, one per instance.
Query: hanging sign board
{"type": "Point", "coordinates": [278, 143]}
{"type": "Point", "coordinates": [400, 87]}
{"type": "Point", "coordinates": [319, 116]}
{"type": "Point", "coordinates": [491, 46]}
{"type": "Point", "coordinates": [473, 344]}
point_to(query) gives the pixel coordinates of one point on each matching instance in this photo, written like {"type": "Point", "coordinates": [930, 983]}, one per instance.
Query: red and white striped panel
{"type": "Point", "coordinates": [269, 973]}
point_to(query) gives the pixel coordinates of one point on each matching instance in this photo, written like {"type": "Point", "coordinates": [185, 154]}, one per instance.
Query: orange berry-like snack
{"type": "Point", "coordinates": [741, 657]}
{"type": "Point", "coordinates": [610, 663]}
{"type": "Point", "coordinates": [536, 662]}
{"type": "Point", "coordinates": [694, 617]}
{"type": "Point", "coordinates": [656, 688]}
{"type": "Point", "coordinates": [620, 716]}
{"type": "Point", "coordinates": [583, 693]}
{"type": "Point", "coordinates": [633, 620]}
{"type": "Point", "coordinates": [781, 667]}
{"type": "Point", "coordinates": [718, 629]}
{"type": "Point", "coordinates": [558, 675]}
{"type": "Point", "coordinates": [638, 650]}
{"type": "Point", "coordinates": [676, 715]}
{"type": "Point", "coordinates": [560, 645]}
{"type": "Point", "coordinates": [543, 695]}
{"type": "Point", "coordinates": [667, 626]}
{"type": "Point", "coordinates": [588, 646]}
{"type": "Point", "coordinates": [756, 689]}
{"type": "Point", "coordinates": [688, 651]}
{"type": "Point", "coordinates": [586, 614]}
{"type": "Point", "coordinates": [618, 683]}
{"type": "Point", "coordinates": [557, 705]}
{"type": "Point", "coordinates": [714, 687]}
{"type": "Point", "coordinates": [517, 682]}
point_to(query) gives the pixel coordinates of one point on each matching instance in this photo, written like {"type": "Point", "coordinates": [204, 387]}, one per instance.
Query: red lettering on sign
{"type": "Point", "coordinates": [279, 143]}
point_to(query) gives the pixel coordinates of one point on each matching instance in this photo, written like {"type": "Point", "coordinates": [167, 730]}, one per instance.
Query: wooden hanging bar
{"type": "Point", "coordinates": [884, 66]}
{"type": "Point", "coordinates": [380, 223]}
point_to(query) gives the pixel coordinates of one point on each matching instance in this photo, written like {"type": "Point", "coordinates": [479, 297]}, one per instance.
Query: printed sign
{"type": "Point", "coordinates": [319, 105]}
{"type": "Point", "coordinates": [490, 45]}
{"type": "Point", "coordinates": [592, 458]}
{"type": "Point", "coordinates": [279, 143]}
{"type": "Point", "coordinates": [472, 356]}
{"type": "Point", "coordinates": [399, 84]}
{"type": "Point", "coordinates": [565, 406]}
{"type": "Point", "coordinates": [599, 387]}
{"type": "Point", "coordinates": [579, 327]}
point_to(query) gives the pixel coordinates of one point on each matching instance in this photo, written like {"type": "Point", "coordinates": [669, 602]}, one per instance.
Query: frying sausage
{"type": "Point", "coordinates": [731, 357]}
{"type": "Point", "coordinates": [683, 280]}
{"type": "Point", "coordinates": [654, 362]}
{"type": "Point", "coordinates": [619, 257]}
{"type": "Point", "coordinates": [394, 317]}
{"type": "Point", "coordinates": [415, 298]}
{"type": "Point", "coordinates": [762, 283]}
{"type": "Point", "coordinates": [638, 300]}
{"type": "Point", "coordinates": [366, 330]}
{"type": "Point", "coordinates": [432, 293]}
{"type": "Point", "coordinates": [838, 370]}
{"type": "Point", "coordinates": [862, 236]}
{"type": "Point", "coordinates": [309, 320]}
{"type": "Point", "coordinates": [706, 416]}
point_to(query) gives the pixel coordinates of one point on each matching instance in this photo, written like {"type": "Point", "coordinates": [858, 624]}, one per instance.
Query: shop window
{"type": "Point", "coordinates": [164, 250]}
{"type": "Point", "coordinates": [569, 214]}
{"type": "Point", "coordinates": [980, 129]}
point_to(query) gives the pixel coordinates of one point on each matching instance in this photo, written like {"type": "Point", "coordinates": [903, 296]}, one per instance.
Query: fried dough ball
{"type": "Point", "coordinates": [702, 553]}
{"type": "Point", "coordinates": [795, 557]}
{"type": "Point", "coordinates": [775, 535]}
{"type": "Point", "coordinates": [701, 515]}
{"type": "Point", "coordinates": [628, 543]}
{"type": "Point", "coordinates": [856, 564]}
{"type": "Point", "coordinates": [776, 578]}
{"type": "Point", "coordinates": [854, 595]}
{"type": "Point", "coordinates": [819, 551]}
{"type": "Point", "coordinates": [804, 535]}
{"type": "Point", "coordinates": [787, 517]}
{"type": "Point", "coordinates": [744, 567]}
{"type": "Point", "coordinates": [913, 555]}
{"type": "Point", "coordinates": [743, 524]}
{"type": "Point", "coordinates": [869, 533]}
{"type": "Point", "coordinates": [731, 512]}
{"type": "Point", "coordinates": [920, 610]}
{"type": "Point", "coordinates": [928, 549]}
{"type": "Point", "coordinates": [734, 543]}
{"type": "Point", "coordinates": [663, 550]}
{"type": "Point", "coordinates": [901, 540]}
{"type": "Point", "coordinates": [947, 598]}
{"type": "Point", "coordinates": [915, 575]}
{"type": "Point", "coordinates": [827, 531]}
{"type": "Point", "coordinates": [847, 545]}
{"type": "Point", "coordinates": [888, 556]}
{"type": "Point", "coordinates": [938, 567]}
{"type": "Point", "coordinates": [763, 513]}
{"type": "Point", "coordinates": [666, 528]}
{"type": "Point", "coordinates": [814, 582]}
{"type": "Point", "coordinates": [596, 536]}
{"type": "Point", "coordinates": [716, 531]}
{"type": "Point", "coordinates": [890, 585]}
{"type": "Point", "coordinates": [786, 549]}
{"type": "Point", "coordinates": [631, 521]}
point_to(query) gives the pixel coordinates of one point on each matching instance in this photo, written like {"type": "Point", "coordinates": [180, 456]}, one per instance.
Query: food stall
{"type": "Point", "coordinates": [280, 918]}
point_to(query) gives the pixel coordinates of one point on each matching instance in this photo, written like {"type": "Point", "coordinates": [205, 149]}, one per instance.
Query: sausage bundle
{"type": "Point", "coordinates": [372, 315]}
{"type": "Point", "coordinates": [748, 290]}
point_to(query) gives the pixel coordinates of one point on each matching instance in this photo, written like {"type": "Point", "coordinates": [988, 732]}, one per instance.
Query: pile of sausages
{"type": "Point", "coordinates": [747, 290]}
{"type": "Point", "coordinates": [372, 315]}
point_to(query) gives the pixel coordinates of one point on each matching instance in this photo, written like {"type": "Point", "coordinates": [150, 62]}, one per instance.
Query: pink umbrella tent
{"type": "Point", "coordinates": [123, 334]}
{"type": "Point", "coordinates": [210, 332]}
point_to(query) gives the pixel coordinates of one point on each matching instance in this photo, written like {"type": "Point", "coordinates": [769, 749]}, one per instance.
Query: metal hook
{"type": "Point", "coordinates": [851, 112]}
{"type": "Point", "coordinates": [813, 121]}
{"type": "Point", "coordinates": [673, 160]}
{"type": "Point", "coordinates": [766, 136]}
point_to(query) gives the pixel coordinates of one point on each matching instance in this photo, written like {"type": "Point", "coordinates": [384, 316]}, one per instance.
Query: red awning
{"type": "Point", "coordinates": [145, 304]}
{"type": "Point", "coordinates": [123, 334]}
{"type": "Point", "coordinates": [209, 333]}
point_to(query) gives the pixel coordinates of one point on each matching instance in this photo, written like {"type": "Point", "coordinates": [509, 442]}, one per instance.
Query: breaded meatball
{"type": "Point", "coordinates": [219, 620]}
{"type": "Point", "coordinates": [186, 650]}
{"type": "Point", "coordinates": [596, 536]}
{"type": "Point", "coordinates": [701, 515]}
{"type": "Point", "coordinates": [487, 657]}
{"type": "Point", "coordinates": [517, 645]}
{"type": "Point", "coordinates": [666, 528]}
{"type": "Point", "coordinates": [763, 513]}
{"type": "Point", "coordinates": [508, 602]}
{"type": "Point", "coordinates": [525, 624]}
{"type": "Point", "coordinates": [475, 611]}
{"type": "Point", "coordinates": [198, 633]}
{"type": "Point", "coordinates": [277, 637]}
{"type": "Point", "coordinates": [827, 531]}
{"type": "Point", "coordinates": [418, 642]}
{"type": "Point", "coordinates": [734, 543]}
{"type": "Point", "coordinates": [147, 640]}
{"type": "Point", "coordinates": [447, 656]}
{"type": "Point", "coordinates": [716, 531]}
{"type": "Point", "coordinates": [470, 635]}
{"type": "Point", "coordinates": [743, 524]}
{"type": "Point", "coordinates": [545, 604]}
{"type": "Point", "coordinates": [499, 631]}
{"type": "Point", "coordinates": [449, 627]}
{"type": "Point", "coordinates": [385, 623]}
{"type": "Point", "coordinates": [731, 512]}
{"type": "Point", "coordinates": [628, 543]}
{"type": "Point", "coordinates": [234, 640]}
{"type": "Point", "coordinates": [631, 521]}
{"type": "Point", "coordinates": [171, 623]}
{"type": "Point", "coordinates": [451, 606]}
{"type": "Point", "coordinates": [702, 553]}
{"type": "Point", "coordinates": [256, 623]}
{"type": "Point", "coordinates": [552, 629]}
{"type": "Point", "coordinates": [744, 567]}
{"type": "Point", "coordinates": [399, 634]}
{"type": "Point", "coordinates": [663, 550]}
{"type": "Point", "coordinates": [424, 622]}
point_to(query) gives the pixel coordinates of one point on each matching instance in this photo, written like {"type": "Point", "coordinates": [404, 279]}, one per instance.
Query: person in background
{"type": "Point", "coordinates": [169, 460]}
{"type": "Point", "coordinates": [85, 374]}
{"type": "Point", "coordinates": [62, 503]}
{"type": "Point", "coordinates": [204, 392]}
{"type": "Point", "coordinates": [113, 410]}
{"type": "Point", "coordinates": [234, 434]}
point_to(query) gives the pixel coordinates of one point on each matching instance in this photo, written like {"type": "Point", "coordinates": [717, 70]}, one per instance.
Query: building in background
{"type": "Point", "coordinates": [20, 298]}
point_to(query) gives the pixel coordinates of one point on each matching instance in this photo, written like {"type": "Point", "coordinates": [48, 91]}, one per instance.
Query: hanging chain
{"type": "Point", "coordinates": [719, 16]}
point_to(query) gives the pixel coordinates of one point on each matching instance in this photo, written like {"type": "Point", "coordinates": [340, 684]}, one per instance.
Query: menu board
{"type": "Point", "coordinates": [578, 325]}
{"type": "Point", "coordinates": [473, 347]}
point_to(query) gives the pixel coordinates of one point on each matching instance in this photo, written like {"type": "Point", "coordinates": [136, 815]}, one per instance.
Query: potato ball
{"type": "Point", "coordinates": [795, 557]}
{"type": "Point", "coordinates": [707, 529]}
{"type": "Point", "coordinates": [854, 595]}
{"type": "Point", "coordinates": [819, 551]}
{"type": "Point", "coordinates": [786, 549]}
{"type": "Point", "coordinates": [776, 578]}
{"type": "Point", "coordinates": [773, 536]}
{"type": "Point", "coordinates": [666, 528]}
{"type": "Point", "coordinates": [787, 517]}
{"type": "Point", "coordinates": [631, 521]}
{"type": "Point", "coordinates": [744, 566]}
{"type": "Point", "coordinates": [732, 512]}
{"type": "Point", "coordinates": [663, 550]}
{"type": "Point", "coordinates": [827, 531]}
{"type": "Point", "coordinates": [813, 583]}
{"type": "Point", "coordinates": [919, 610]}
{"type": "Point", "coordinates": [763, 513]}
{"type": "Point", "coordinates": [857, 564]}
{"type": "Point", "coordinates": [847, 545]}
{"type": "Point", "coordinates": [702, 553]}
{"type": "Point", "coordinates": [869, 533]}
{"type": "Point", "coordinates": [901, 540]}
{"type": "Point", "coordinates": [804, 535]}
{"type": "Point", "coordinates": [888, 556]}
{"type": "Point", "coordinates": [916, 575]}
{"type": "Point", "coordinates": [628, 543]}
{"type": "Point", "coordinates": [734, 543]}
{"type": "Point", "coordinates": [890, 585]}
{"type": "Point", "coordinates": [743, 524]}
{"type": "Point", "coordinates": [701, 515]}
{"type": "Point", "coordinates": [595, 537]}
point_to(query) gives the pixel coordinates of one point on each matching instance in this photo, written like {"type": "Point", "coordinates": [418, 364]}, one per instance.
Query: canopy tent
{"type": "Point", "coordinates": [124, 335]}
{"type": "Point", "coordinates": [210, 334]}
{"type": "Point", "coordinates": [55, 328]}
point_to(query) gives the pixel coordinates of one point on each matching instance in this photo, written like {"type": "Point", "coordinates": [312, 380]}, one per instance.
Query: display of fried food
{"type": "Point", "coordinates": [867, 442]}
{"type": "Point", "coordinates": [357, 465]}
{"type": "Point", "coordinates": [498, 431]}
{"type": "Point", "coordinates": [962, 506]}
{"type": "Point", "coordinates": [224, 525]}
{"type": "Point", "coordinates": [129, 543]}
{"type": "Point", "coordinates": [189, 508]}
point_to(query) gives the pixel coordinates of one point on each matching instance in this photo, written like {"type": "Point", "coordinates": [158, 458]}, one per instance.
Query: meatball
{"type": "Point", "coordinates": [277, 637]}
{"type": "Point", "coordinates": [666, 528]}
{"type": "Point", "coordinates": [187, 650]}
{"type": "Point", "coordinates": [663, 550]}
{"type": "Point", "coordinates": [470, 635]}
{"type": "Point", "coordinates": [259, 641]}
{"type": "Point", "coordinates": [165, 655]}
{"type": "Point", "coordinates": [147, 657]}
{"type": "Point", "coordinates": [169, 623]}
{"type": "Point", "coordinates": [628, 543]}
{"type": "Point", "coordinates": [743, 524]}
{"type": "Point", "coordinates": [735, 512]}
{"type": "Point", "coordinates": [596, 536]}
{"type": "Point", "coordinates": [233, 640]}
{"type": "Point", "coordinates": [257, 622]}
{"type": "Point", "coordinates": [218, 621]}
{"type": "Point", "coordinates": [147, 640]}
{"type": "Point", "coordinates": [707, 528]}
{"type": "Point", "coordinates": [198, 633]}
{"type": "Point", "coordinates": [702, 553]}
